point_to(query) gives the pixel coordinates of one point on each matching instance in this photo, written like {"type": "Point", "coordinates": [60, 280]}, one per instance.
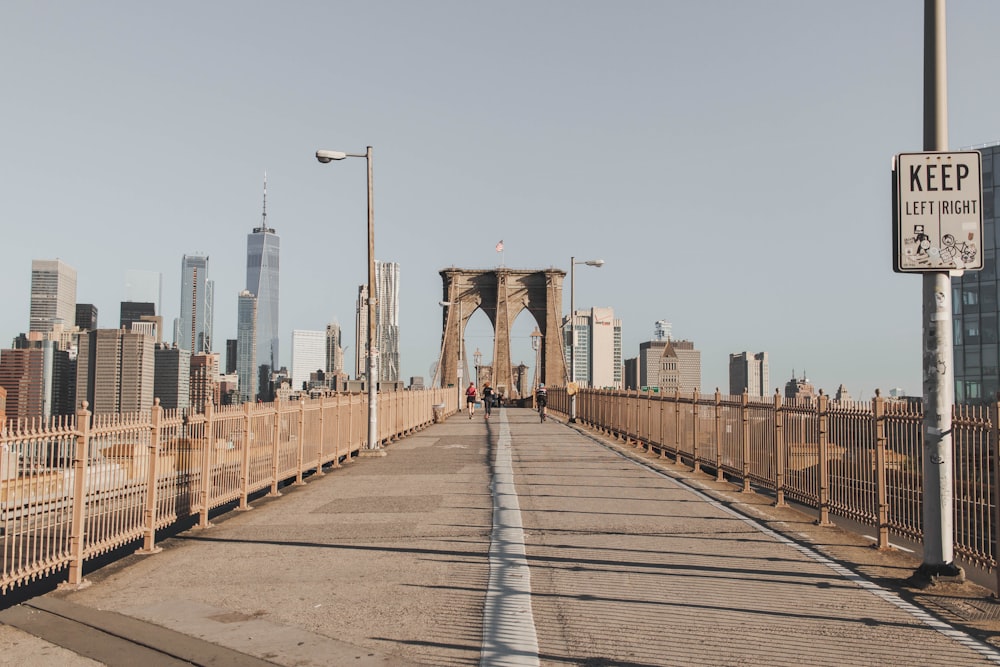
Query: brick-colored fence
{"type": "Point", "coordinates": [76, 488]}
{"type": "Point", "coordinates": [860, 460]}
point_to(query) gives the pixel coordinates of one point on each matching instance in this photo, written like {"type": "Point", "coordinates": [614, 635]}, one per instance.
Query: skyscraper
{"type": "Point", "coordinates": [36, 378]}
{"type": "Point", "coordinates": [334, 349]}
{"type": "Point", "coordinates": [53, 294]}
{"type": "Point", "coordinates": [750, 372]}
{"type": "Point", "coordinates": [386, 323]}
{"type": "Point", "coordinates": [134, 311]}
{"type": "Point", "coordinates": [115, 371]}
{"type": "Point", "coordinates": [387, 320]}
{"type": "Point", "coordinates": [263, 247]}
{"type": "Point", "coordinates": [197, 305]}
{"type": "Point", "coordinates": [246, 346]}
{"type": "Point", "coordinates": [172, 377]}
{"type": "Point", "coordinates": [598, 348]}
{"type": "Point", "coordinates": [86, 316]}
{"type": "Point", "coordinates": [976, 303]}
{"type": "Point", "coordinates": [680, 367]}
{"type": "Point", "coordinates": [308, 355]}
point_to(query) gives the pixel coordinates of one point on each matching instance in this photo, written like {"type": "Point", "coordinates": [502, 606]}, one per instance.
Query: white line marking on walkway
{"type": "Point", "coordinates": [916, 612]}
{"type": "Point", "coordinates": [508, 625]}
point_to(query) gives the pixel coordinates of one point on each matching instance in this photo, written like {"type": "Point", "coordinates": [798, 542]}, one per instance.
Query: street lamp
{"type": "Point", "coordinates": [536, 345]}
{"type": "Point", "coordinates": [477, 358]}
{"type": "Point", "coordinates": [371, 364]}
{"type": "Point", "coordinates": [461, 343]}
{"type": "Point", "coordinates": [572, 328]}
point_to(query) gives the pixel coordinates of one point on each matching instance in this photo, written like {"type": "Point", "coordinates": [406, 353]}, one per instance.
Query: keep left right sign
{"type": "Point", "coordinates": [937, 212]}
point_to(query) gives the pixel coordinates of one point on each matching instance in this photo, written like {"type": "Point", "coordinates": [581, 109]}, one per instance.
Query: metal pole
{"type": "Point", "coordinates": [461, 362]}
{"type": "Point", "coordinates": [939, 378]}
{"type": "Point", "coordinates": [372, 365]}
{"type": "Point", "coordinates": [572, 336]}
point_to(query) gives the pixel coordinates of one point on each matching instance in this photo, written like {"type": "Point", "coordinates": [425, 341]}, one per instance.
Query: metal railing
{"type": "Point", "coordinates": [82, 486]}
{"type": "Point", "coordinates": [859, 460]}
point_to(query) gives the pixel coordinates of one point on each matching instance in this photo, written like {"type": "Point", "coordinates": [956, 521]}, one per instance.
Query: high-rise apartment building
{"type": "Point", "coordinates": [598, 348]}
{"type": "Point", "coordinates": [172, 377]}
{"type": "Point", "coordinates": [975, 303]}
{"type": "Point", "coordinates": [749, 372]}
{"type": "Point", "coordinates": [308, 356]}
{"type": "Point", "coordinates": [53, 294]}
{"type": "Point", "coordinates": [115, 371]}
{"type": "Point", "coordinates": [197, 305]}
{"type": "Point", "coordinates": [246, 347]}
{"type": "Point", "coordinates": [263, 250]}
{"type": "Point", "coordinates": [386, 323]}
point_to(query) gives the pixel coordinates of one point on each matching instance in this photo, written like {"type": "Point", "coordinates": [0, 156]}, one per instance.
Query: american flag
{"type": "Point", "coordinates": [500, 246]}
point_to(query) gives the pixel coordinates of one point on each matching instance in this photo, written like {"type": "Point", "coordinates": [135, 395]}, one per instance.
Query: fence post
{"type": "Point", "coordinates": [995, 451]}
{"type": "Point", "coordinates": [677, 426]}
{"type": "Point", "coordinates": [302, 442]}
{"type": "Point", "coordinates": [322, 434]}
{"type": "Point", "coordinates": [822, 410]}
{"type": "Point", "coordinates": [245, 459]}
{"type": "Point", "coordinates": [76, 535]}
{"type": "Point", "coordinates": [275, 448]}
{"type": "Point", "coordinates": [878, 417]}
{"type": "Point", "coordinates": [696, 466]}
{"type": "Point", "coordinates": [207, 464]}
{"type": "Point", "coordinates": [745, 439]}
{"type": "Point", "coordinates": [719, 477]}
{"type": "Point", "coordinates": [153, 451]}
{"type": "Point", "coordinates": [779, 452]}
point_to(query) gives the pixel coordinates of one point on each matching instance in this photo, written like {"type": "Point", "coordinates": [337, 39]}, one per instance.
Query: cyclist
{"type": "Point", "coordinates": [541, 400]}
{"type": "Point", "coordinates": [470, 398]}
{"type": "Point", "coordinates": [488, 395]}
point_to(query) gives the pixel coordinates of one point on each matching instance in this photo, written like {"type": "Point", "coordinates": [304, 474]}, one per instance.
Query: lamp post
{"type": "Point", "coordinates": [461, 343]}
{"type": "Point", "coordinates": [477, 358]}
{"type": "Point", "coordinates": [371, 363]}
{"type": "Point", "coordinates": [536, 345]}
{"type": "Point", "coordinates": [572, 327]}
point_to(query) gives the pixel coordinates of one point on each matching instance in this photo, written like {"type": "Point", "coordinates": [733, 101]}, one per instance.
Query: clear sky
{"type": "Point", "coordinates": [729, 160]}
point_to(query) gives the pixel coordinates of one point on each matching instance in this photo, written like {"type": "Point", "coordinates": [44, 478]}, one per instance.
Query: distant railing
{"type": "Point", "coordinates": [860, 460]}
{"type": "Point", "coordinates": [82, 486]}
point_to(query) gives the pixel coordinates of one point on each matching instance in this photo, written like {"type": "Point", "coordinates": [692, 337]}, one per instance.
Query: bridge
{"type": "Point", "coordinates": [629, 538]}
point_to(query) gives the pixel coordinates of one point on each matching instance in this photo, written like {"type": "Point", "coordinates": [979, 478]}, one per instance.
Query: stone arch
{"type": "Point", "coordinates": [502, 294]}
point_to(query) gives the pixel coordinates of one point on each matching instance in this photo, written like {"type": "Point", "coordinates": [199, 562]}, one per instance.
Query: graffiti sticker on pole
{"type": "Point", "coordinates": [937, 212]}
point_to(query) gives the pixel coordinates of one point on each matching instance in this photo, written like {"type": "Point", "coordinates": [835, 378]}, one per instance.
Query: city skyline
{"type": "Point", "coordinates": [714, 154]}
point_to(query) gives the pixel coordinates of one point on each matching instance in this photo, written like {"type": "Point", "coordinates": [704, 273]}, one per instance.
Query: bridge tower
{"type": "Point", "coordinates": [502, 294]}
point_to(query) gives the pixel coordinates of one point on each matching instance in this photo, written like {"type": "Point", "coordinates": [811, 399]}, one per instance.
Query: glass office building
{"type": "Point", "coordinates": [974, 303]}
{"type": "Point", "coordinates": [263, 251]}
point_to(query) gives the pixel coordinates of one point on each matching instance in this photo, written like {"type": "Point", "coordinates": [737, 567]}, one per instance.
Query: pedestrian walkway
{"type": "Point", "coordinates": [506, 542]}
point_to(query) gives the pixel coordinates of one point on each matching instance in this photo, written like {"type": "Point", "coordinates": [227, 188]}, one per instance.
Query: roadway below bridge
{"type": "Point", "coordinates": [508, 542]}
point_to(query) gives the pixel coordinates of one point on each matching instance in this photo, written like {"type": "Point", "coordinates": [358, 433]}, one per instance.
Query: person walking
{"type": "Point", "coordinates": [470, 398]}
{"type": "Point", "coordinates": [541, 400]}
{"type": "Point", "coordinates": [488, 396]}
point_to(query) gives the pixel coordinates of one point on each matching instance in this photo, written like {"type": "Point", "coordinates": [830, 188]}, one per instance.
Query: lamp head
{"type": "Point", "coordinates": [328, 156]}
{"type": "Point", "coordinates": [596, 262]}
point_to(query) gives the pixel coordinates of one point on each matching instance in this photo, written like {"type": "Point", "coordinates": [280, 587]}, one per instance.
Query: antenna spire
{"type": "Point", "coordinates": [263, 217]}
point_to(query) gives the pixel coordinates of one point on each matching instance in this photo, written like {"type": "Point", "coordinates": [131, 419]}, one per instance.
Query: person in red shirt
{"type": "Point", "coordinates": [470, 398]}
